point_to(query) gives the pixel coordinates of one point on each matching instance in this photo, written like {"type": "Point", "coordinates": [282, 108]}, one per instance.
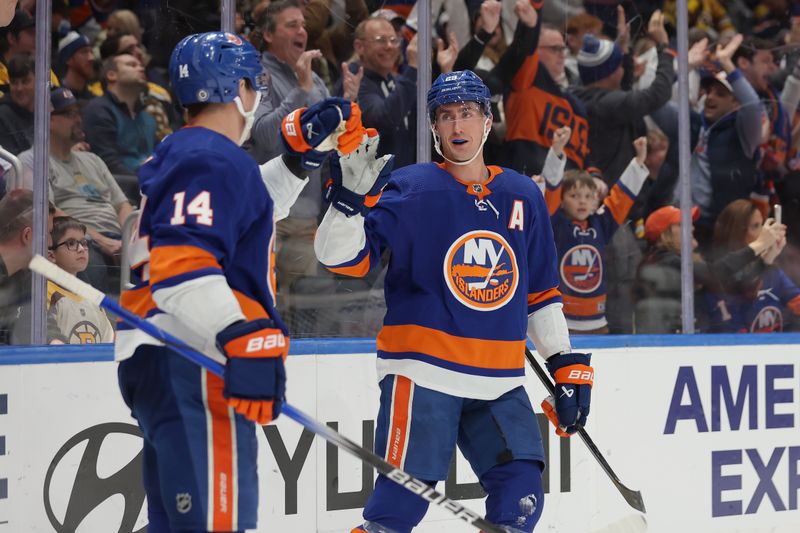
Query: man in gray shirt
{"type": "Point", "coordinates": [292, 84]}
{"type": "Point", "coordinates": [82, 187]}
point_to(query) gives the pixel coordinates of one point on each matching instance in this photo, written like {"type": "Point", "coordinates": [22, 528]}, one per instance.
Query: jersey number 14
{"type": "Point", "coordinates": [199, 207]}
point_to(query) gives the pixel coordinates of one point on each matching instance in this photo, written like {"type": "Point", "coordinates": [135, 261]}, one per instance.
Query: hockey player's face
{"type": "Point", "coordinates": [460, 127]}
{"type": "Point", "coordinates": [579, 202]}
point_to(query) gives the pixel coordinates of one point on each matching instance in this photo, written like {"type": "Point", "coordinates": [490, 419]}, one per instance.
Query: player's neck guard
{"type": "Point", "coordinates": [249, 116]}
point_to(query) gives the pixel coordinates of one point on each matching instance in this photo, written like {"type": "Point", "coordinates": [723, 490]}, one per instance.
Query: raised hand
{"type": "Point", "coordinates": [351, 82]}
{"type": "Point", "coordinates": [526, 13]}
{"type": "Point", "coordinates": [698, 53]}
{"type": "Point", "coordinates": [446, 57]}
{"type": "Point", "coordinates": [724, 54]}
{"type": "Point", "coordinates": [640, 145]}
{"type": "Point", "coordinates": [655, 27]}
{"type": "Point", "coordinates": [560, 139]}
{"type": "Point", "coordinates": [303, 69]}
{"type": "Point", "coordinates": [490, 15]}
{"type": "Point", "coordinates": [623, 31]}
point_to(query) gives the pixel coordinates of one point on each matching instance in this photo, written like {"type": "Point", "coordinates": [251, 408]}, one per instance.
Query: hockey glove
{"type": "Point", "coordinates": [255, 378]}
{"type": "Point", "coordinates": [311, 133]}
{"type": "Point", "coordinates": [574, 379]}
{"type": "Point", "coordinates": [358, 178]}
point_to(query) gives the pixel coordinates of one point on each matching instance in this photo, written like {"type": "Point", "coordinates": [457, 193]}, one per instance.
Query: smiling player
{"type": "Point", "coordinates": [473, 269]}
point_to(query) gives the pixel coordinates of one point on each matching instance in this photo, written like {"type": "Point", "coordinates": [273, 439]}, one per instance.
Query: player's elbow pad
{"type": "Point", "coordinates": [548, 330]}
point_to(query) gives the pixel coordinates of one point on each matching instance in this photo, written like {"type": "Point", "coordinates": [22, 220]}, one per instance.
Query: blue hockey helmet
{"type": "Point", "coordinates": [458, 86]}
{"type": "Point", "coordinates": [207, 67]}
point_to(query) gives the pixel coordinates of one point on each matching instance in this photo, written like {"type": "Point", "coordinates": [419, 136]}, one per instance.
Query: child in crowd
{"type": "Point", "coordinates": [79, 321]}
{"type": "Point", "coordinates": [582, 231]}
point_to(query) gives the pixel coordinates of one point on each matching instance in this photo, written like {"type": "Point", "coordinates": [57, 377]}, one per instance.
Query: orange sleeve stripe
{"type": "Point", "coordinates": [292, 131]}
{"type": "Point", "coordinates": [478, 353]}
{"type": "Point", "coordinates": [794, 305]}
{"type": "Point", "coordinates": [359, 270]}
{"type": "Point", "coordinates": [578, 306]}
{"type": "Point", "coordinates": [170, 261]}
{"type": "Point", "coordinates": [138, 301]}
{"type": "Point", "coordinates": [552, 198]}
{"type": "Point", "coordinates": [539, 297]}
{"type": "Point", "coordinates": [526, 73]}
{"type": "Point", "coordinates": [619, 204]}
{"type": "Point", "coordinates": [251, 308]}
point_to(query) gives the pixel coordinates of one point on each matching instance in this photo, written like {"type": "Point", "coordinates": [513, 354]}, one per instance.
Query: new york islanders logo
{"type": "Point", "coordinates": [480, 269]}
{"type": "Point", "coordinates": [768, 320]}
{"type": "Point", "coordinates": [582, 268]}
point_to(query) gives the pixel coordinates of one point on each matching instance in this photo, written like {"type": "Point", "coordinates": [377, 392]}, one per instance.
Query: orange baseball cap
{"type": "Point", "coordinates": [662, 218]}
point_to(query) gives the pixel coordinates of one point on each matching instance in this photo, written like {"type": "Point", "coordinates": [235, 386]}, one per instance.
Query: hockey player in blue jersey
{"type": "Point", "coordinates": [472, 271]}
{"type": "Point", "coordinates": [204, 254]}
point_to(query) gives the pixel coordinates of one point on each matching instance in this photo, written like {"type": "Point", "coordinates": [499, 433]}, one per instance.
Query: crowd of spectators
{"type": "Point", "coordinates": [584, 100]}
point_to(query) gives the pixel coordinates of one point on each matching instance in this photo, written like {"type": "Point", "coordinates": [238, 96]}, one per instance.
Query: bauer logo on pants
{"type": "Point", "coordinates": [480, 269]}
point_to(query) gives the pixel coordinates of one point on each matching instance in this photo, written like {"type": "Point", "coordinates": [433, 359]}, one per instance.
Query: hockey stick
{"type": "Point", "coordinates": [42, 266]}
{"type": "Point", "coordinates": [633, 497]}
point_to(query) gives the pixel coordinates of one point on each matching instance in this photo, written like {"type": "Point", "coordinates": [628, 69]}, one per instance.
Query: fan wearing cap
{"type": "Point", "coordinates": [616, 115]}
{"type": "Point", "coordinates": [657, 286]}
{"type": "Point", "coordinates": [20, 38]}
{"type": "Point", "coordinates": [77, 58]}
{"type": "Point", "coordinates": [582, 231]}
{"type": "Point", "coordinates": [724, 164]}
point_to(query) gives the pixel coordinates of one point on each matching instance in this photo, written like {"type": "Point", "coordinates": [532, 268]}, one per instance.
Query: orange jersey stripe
{"type": "Point", "coordinates": [359, 270]}
{"type": "Point", "coordinates": [251, 308]}
{"type": "Point", "coordinates": [552, 197]}
{"type": "Point", "coordinates": [169, 261]}
{"type": "Point", "coordinates": [223, 487]}
{"type": "Point", "coordinates": [399, 425]}
{"type": "Point", "coordinates": [538, 297]}
{"type": "Point", "coordinates": [619, 204]}
{"type": "Point", "coordinates": [794, 305]}
{"type": "Point", "coordinates": [576, 306]}
{"type": "Point", "coordinates": [477, 353]}
{"type": "Point", "coordinates": [138, 301]}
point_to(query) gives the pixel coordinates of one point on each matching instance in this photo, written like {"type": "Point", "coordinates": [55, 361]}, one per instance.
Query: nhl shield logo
{"type": "Point", "coordinates": [768, 320]}
{"type": "Point", "coordinates": [582, 268]}
{"type": "Point", "coordinates": [480, 270]}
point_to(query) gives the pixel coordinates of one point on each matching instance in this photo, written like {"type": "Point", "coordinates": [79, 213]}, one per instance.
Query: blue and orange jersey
{"type": "Point", "coordinates": [581, 247]}
{"type": "Point", "coordinates": [536, 107]}
{"type": "Point", "coordinates": [766, 313]}
{"type": "Point", "coordinates": [469, 263]}
{"type": "Point", "coordinates": [206, 225]}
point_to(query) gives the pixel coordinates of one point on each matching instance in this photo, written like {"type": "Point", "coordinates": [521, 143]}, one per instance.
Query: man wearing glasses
{"type": "Point", "coordinates": [388, 101]}
{"type": "Point", "coordinates": [82, 187]}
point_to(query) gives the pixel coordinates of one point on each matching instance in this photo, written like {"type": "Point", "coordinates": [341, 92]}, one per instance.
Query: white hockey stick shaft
{"type": "Point", "coordinates": [42, 266]}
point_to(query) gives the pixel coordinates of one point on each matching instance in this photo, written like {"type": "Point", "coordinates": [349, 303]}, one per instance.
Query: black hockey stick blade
{"type": "Point", "coordinates": [633, 497]}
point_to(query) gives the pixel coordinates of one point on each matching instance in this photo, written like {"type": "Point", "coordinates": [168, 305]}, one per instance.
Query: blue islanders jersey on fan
{"type": "Point", "coordinates": [206, 217]}
{"type": "Point", "coordinates": [581, 247]}
{"type": "Point", "coordinates": [469, 263]}
{"type": "Point", "coordinates": [776, 295]}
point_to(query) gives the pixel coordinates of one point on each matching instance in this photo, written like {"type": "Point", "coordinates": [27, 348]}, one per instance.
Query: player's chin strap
{"type": "Point", "coordinates": [249, 116]}
{"type": "Point", "coordinates": [437, 145]}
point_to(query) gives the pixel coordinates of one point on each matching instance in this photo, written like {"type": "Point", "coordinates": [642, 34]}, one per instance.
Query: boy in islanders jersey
{"type": "Point", "coordinates": [204, 254]}
{"type": "Point", "coordinates": [472, 271]}
{"type": "Point", "coordinates": [581, 233]}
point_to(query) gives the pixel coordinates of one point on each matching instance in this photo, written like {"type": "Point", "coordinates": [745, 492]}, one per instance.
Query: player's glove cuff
{"type": "Point", "coordinates": [258, 338]}
{"type": "Point", "coordinates": [573, 378]}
